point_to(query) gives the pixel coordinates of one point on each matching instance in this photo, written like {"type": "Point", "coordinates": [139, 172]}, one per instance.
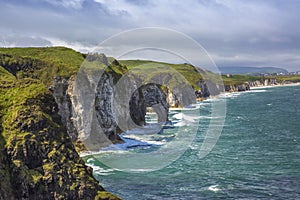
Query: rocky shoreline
{"type": "Point", "coordinates": [256, 84]}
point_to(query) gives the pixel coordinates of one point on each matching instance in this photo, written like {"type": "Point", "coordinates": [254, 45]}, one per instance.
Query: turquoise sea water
{"type": "Point", "coordinates": [257, 156]}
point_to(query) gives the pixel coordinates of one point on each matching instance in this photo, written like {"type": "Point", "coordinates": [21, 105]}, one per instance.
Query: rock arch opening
{"type": "Point", "coordinates": [152, 97]}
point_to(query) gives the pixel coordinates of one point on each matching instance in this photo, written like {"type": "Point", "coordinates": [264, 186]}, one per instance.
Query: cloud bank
{"type": "Point", "coordinates": [234, 32]}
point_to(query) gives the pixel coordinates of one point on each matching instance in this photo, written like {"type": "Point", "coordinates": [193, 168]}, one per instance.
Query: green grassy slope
{"type": "Point", "coordinates": [41, 63]}
{"type": "Point", "coordinates": [38, 160]}
{"type": "Point", "coordinates": [239, 79]}
{"type": "Point", "coordinates": [152, 68]}
{"type": "Point", "coordinates": [291, 78]}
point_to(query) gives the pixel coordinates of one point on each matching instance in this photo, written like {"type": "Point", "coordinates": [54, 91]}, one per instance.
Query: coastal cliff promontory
{"type": "Point", "coordinates": [38, 158]}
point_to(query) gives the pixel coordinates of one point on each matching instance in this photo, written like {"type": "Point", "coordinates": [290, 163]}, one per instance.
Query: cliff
{"type": "Point", "coordinates": [38, 158]}
{"type": "Point", "coordinates": [236, 83]}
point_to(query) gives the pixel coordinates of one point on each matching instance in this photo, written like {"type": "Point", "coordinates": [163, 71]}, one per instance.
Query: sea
{"type": "Point", "coordinates": [255, 156]}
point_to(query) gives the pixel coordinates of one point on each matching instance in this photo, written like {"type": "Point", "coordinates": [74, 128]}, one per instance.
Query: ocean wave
{"type": "Point", "coordinates": [127, 144]}
{"type": "Point", "coordinates": [97, 169]}
{"type": "Point", "coordinates": [230, 94]}
{"type": "Point", "coordinates": [214, 188]}
{"type": "Point", "coordinates": [190, 107]}
{"type": "Point", "coordinates": [256, 91]}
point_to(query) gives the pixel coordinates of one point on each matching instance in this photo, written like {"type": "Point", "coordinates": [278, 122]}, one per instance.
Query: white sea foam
{"type": "Point", "coordinates": [230, 95]}
{"type": "Point", "coordinates": [99, 170]}
{"type": "Point", "coordinates": [256, 91]}
{"type": "Point", "coordinates": [190, 107]}
{"type": "Point", "coordinates": [178, 116]}
{"type": "Point", "coordinates": [210, 100]}
{"type": "Point", "coordinates": [144, 139]}
{"type": "Point", "coordinates": [128, 143]}
{"type": "Point", "coordinates": [214, 188]}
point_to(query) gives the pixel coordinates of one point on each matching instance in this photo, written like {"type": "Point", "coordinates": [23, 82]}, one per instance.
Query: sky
{"type": "Point", "coordinates": [260, 33]}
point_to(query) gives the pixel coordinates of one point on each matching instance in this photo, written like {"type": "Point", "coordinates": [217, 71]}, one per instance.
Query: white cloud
{"type": "Point", "coordinates": [237, 31]}
{"type": "Point", "coordinates": [76, 4]}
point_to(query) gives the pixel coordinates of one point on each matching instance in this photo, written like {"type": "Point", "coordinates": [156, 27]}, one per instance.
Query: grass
{"type": "Point", "coordinates": [152, 70]}
{"type": "Point", "coordinates": [291, 78]}
{"type": "Point", "coordinates": [239, 79]}
{"type": "Point", "coordinates": [46, 62]}
{"type": "Point", "coordinates": [5, 75]}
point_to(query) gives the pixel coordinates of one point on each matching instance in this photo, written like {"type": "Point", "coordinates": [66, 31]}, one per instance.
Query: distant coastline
{"type": "Point", "coordinates": [278, 85]}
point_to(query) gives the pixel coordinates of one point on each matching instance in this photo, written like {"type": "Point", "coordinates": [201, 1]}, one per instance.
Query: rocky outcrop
{"type": "Point", "coordinates": [104, 107]}
{"type": "Point", "coordinates": [237, 88]}
{"type": "Point", "coordinates": [149, 95]}
{"type": "Point", "coordinates": [256, 83]}
{"type": "Point", "coordinates": [247, 85]}
{"type": "Point", "coordinates": [62, 89]}
{"type": "Point", "coordinates": [38, 159]}
{"type": "Point", "coordinates": [204, 91]}
{"type": "Point", "coordinates": [263, 82]}
{"type": "Point", "coordinates": [98, 105]}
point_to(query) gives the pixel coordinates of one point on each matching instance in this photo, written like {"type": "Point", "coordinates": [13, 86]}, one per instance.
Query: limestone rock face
{"type": "Point", "coordinates": [204, 92]}
{"type": "Point", "coordinates": [100, 104]}
{"type": "Point", "coordinates": [149, 95]}
{"type": "Point", "coordinates": [62, 92]}
{"type": "Point", "coordinates": [237, 88]}
{"type": "Point", "coordinates": [104, 107]}
{"type": "Point", "coordinates": [256, 83]}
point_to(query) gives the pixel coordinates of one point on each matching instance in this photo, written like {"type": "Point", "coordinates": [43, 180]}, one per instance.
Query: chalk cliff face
{"type": "Point", "coordinates": [204, 91]}
{"type": "Point", "coordinates": [98, 105]}
{"type": "Point", "coordinates": [149, 95]}
{"type": "Point", "coordinates": [263, 82]}
{"type": "Point", "coordinates": [237, 87]}
{"type": "Point", "coordinates": [247, 85]}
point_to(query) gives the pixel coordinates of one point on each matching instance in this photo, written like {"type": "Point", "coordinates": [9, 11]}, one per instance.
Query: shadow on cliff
{"type": "Point", "coordinates": [5, 184]}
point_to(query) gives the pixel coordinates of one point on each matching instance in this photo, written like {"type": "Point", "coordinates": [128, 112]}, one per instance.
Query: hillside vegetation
{"type": "Point", "coordinates": [41, 63]}
{"type": "Point", "coordinates": [38, 159]}
{"type": "Point", "coordinates": [187, 72]}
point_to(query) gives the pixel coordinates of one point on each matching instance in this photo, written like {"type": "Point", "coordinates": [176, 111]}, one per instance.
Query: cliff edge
{"type": "Point", "coordinates": [37, 157]}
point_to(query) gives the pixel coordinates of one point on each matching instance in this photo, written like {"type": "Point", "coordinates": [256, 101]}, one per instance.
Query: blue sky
{"type": "Point", "coordinates": [235, 33]}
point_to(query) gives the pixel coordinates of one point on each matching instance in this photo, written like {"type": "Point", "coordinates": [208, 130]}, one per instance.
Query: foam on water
{"type": "Point", "coordinates": [214, 188]}
{"type": "Point", "coordinates": [256, 90]}
{"type": "Point", "coordinates": [128, 144]}
{"type": "Point", "coordinates": [97, 169]}
{"type": "Point", "coordinates": [191, 107]}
